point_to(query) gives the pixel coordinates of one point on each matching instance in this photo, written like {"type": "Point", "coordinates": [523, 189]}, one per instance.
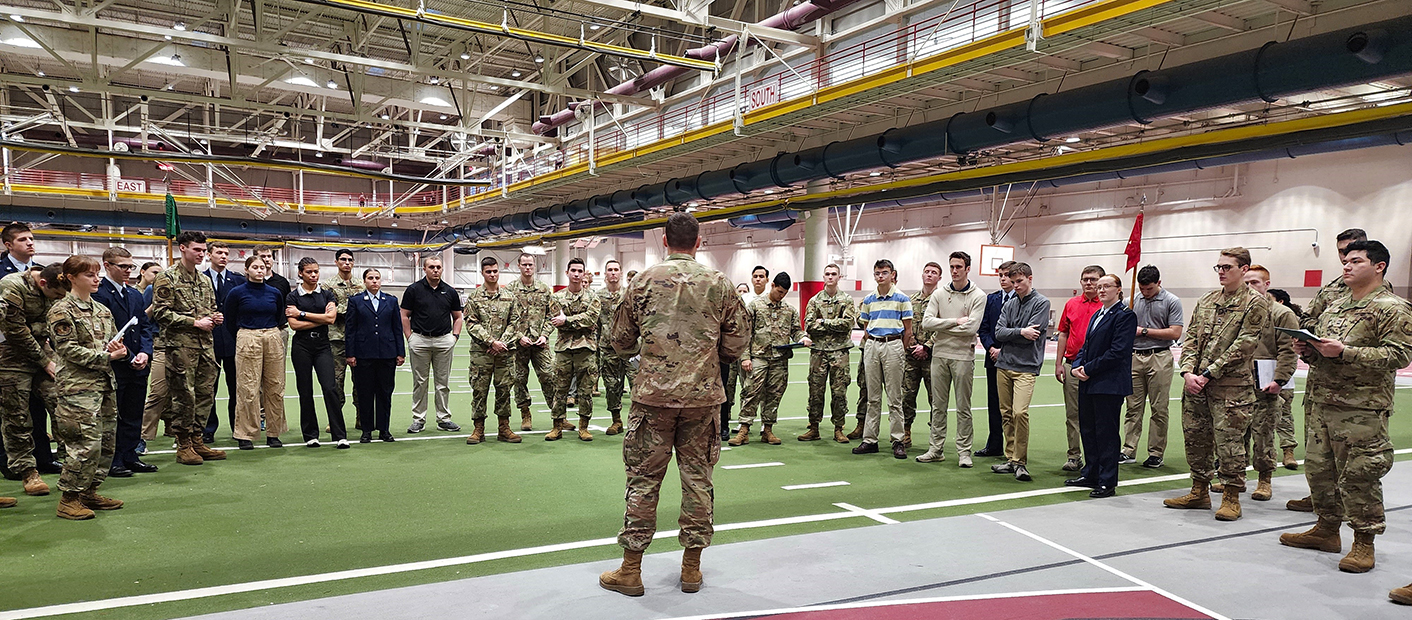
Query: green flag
{"type": "Point", "coordinates": [173, 225]}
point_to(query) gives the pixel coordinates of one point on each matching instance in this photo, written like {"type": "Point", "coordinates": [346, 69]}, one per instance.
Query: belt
{"type": "Point", "coordinates": [1151, 351]}
{"type": "Point", "coordinates": [884, 338]}
{"type": "Point", "coordinates": [426, 335]}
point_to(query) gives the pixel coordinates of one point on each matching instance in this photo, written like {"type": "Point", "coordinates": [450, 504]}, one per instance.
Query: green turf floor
{"type": "Point", "coordinates": [296, 511]}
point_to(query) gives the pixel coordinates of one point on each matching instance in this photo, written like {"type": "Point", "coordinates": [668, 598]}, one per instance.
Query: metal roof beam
{"type": "Point", "coordinates": [774, 35]}
{"type": "Point", "coordinates": [1221, 20]}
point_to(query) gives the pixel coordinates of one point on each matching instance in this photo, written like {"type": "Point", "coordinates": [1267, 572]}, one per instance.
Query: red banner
{"type": "Point", "coordinates": [1134, 249]}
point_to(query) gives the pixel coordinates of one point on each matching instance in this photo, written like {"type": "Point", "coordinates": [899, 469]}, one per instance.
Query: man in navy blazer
{"type": "Point", "coordinates": [126, 303]}
{"type": "Point", "coordinates": [222, 280]}
{"type": "Point", "coordinates": [1104, 370]}
{"type": "Point", "coordinates": [373, 344]}
{"type": "Point", "coordinates": [995, 439]}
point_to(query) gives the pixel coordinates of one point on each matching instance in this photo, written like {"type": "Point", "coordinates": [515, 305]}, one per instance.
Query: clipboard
{"type": "Point", "coordinates": [1298, 334]}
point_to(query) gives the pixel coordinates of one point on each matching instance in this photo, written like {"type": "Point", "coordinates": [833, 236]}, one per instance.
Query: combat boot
{"type": "Point", "coordinates": [1263, 492]}
{"type": "Point", "coordinates": [72, 508]}
{"type": "Point", "coordinates": [503, 433]}
{"type": "Point", "coordinates": [625, 579]}
{"type": "Point", "coordinates": [907, 437]}
{"type": "Point", "coordinates": [1230, 505]}
{"type": "Point", "coordinates": [555, 431]}
{"type": "Point", "coordinates": [838, 435]}
{"type": "Point", "coordinates": [810, 435]}
{"type": "Point", "coordinates": [1289, 461]}
{"type": "Point", "coordinates": [1199, 497]}
{"type": "Point", "coordinates": [617, 425]}
{"type": "Point", "coordinates": [1300, 505]}
{"type": "Point", "coordinates": [584, 435]}
{"type": "Point", "coordinates": [477, 432]}
{"type": "Point", "coordinates": [691, 569]}
{"type": "Point", "coordinates": [185, 454]}
{"type": "Point", "coordinates": [91, 499]}
{"type": "Point", "coordinates": [526, 421]}
{"type": "Point", "coordinates": [1401, 596]}
{"type": "Point", "coordinates": [742, 436]}
{"type": "Point", "coordinates": [198, 444]}
{"type": "Point", "coordinates": [1323, 537]}
{"type": "Point", "coordinates": [1217, 486]}
{"type": "Point", "coordinates": [1360, 557]}
{"type": "Point", "coordinates": [857, 431]}
{"type": "Point", "coordinates": [8, 502]}
{"type": "Point", "coordinates": [566, 424]}
{"type": "Point", "coordinates": [34, 485]}
{"type": "Point", "coordinates": [767, 435]}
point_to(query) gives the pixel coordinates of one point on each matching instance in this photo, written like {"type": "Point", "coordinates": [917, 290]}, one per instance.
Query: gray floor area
{"type": "Point", "coordinates": [1238, 570]}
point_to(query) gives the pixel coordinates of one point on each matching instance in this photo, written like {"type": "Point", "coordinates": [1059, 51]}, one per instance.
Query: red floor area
{"type": "Point", "coordinates": [1105, 605]}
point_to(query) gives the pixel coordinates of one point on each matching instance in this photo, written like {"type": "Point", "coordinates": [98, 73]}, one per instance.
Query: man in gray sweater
{"type": "Point", "coordinates": [1020, 332]}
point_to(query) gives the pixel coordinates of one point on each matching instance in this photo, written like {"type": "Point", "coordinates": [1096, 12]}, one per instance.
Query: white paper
{"type": "Point", "coordinates": [1264, 373]}
{"type": "Point", "coordinates": [130, 324]}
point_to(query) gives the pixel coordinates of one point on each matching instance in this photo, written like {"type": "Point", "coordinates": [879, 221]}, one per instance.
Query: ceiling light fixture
{"type": "Point", "coordinates": [434, 100]}
{"type": "Point", "coordinates": [875, 173]}
{"type": "Point", "coordinates": [73, 89]}
{"type": "Point", "coordinates": [1072, 139]}
{"type": "Point", "coordinates": [494, 87]}
{"type": "Point", "coordinates": [17, 18]}
{"type": "Point", "coordinates": [171, 86]}
{"type": "Point", "coordinates": [179, 26]}
{"type": "Point", "coordinates": [301, 80]}
{"type": "Point", "coordinates": [39, 73]}
{"type": "Point", "coordinates": [320, 155]}
{"type": "Point", "coordinates": [21, 41]}
{"type": "Point", "coordinates": [176, 59]}
{"type": "Point", "coordinates": [465, 55]}
{"type": "Point", "coordinates": [594, 27]}
{"type": "Point", "coordinates": [434, 80]}
{"type": "Point", "coordinates": [514, 74]}
{"type": "Point", "coordinates": [394, 224]}
{"type": "Point", "coordinates": [442, 117]}
{"type": "Point", "coordinates": [331, 84]}
{"type": "Point", "coordinates": [769, 191]}
{"type": "Point", "coordinates": [167, 37]}
{"type": "Point", "coordinates": [385, 116]}
{"type": "Point", "coordinates": [538, 58]}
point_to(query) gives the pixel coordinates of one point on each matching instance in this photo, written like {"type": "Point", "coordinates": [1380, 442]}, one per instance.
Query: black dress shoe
{"type": "Point", "coordinates": [366, 438]}
{"type": "Point", "coordinates": [118, 471]}
{"type": "Point", "coordinates": [987, 452]}
{"type": "Point", "coordinates": [899, 450]}
{"type": "Point", "coordinates": [245, 444]}
{"type": "Point", "coordinates": [52, 467]}
{"type": "Point", "coordinates": [138, 466]}
{"type": "Point", "coordinates": [274, 442]}
{"type": "Point", "coordinates": [1102, 492]}
{"type": "Point", "coordinates": [385, 437]}
{"type": "Point", "coordinates": [1081, 482]}
{"type": "Point", "coordinates": [868, 448]}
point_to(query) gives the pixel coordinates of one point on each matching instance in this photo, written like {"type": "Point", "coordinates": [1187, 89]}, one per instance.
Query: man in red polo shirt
{"type": "Point", "coordinates": [1073, 325]}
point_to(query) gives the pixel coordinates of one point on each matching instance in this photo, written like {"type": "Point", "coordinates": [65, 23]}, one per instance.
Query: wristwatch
{"type": "Point", "coordinates": [1144, 331]}
{"type": "Point", "coordinates": [301, 315]}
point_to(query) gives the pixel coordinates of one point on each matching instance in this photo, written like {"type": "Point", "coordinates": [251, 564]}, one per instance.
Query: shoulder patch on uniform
{"type": "Point", "coordinates": [63, 328]}
{"type": "Point", "coordinates": [164, 292]}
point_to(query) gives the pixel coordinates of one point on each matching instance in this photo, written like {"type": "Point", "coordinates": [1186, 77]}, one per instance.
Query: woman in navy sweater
{"type": "Point", "coordinates": [373, 340]}
{"type": "Point", "coordinates": [254, 312]}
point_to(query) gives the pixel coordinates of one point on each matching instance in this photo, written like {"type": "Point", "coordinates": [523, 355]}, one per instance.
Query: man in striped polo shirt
{"type": "Point", "coordinates": [886, 317]}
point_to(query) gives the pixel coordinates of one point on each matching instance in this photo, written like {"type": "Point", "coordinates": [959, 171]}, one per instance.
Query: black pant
{"type": "Point", "coordinates": [377, 378]}
{"type": "Point", "coordinates": [132, 396]}
{"type": "Point", "coordinates": [228, 365]}
{"type": "Point", "coordinates": [725, 406]}
{"type": "Point", "coordinates": [315, 354]}
{"type": "Point", "coordinates": [995, 440]}
{"type": "Point", "coordinates": [1099, 428]}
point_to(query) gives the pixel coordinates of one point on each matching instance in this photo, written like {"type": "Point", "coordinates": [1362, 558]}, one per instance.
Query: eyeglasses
{"type": "Point", "coordinates": [123, 266]}
{"type": "Point", "coordinates": [1107, 286]}
{"type": "Point", "coordinates": [1222, 268]}
{"type": "Point", "coordinates": [1088, 279]}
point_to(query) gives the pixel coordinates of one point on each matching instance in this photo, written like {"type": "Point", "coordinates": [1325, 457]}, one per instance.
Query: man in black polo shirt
{"type": "Point", "coordinates": [310, 309]}
{"type": "Point", "coordinates": [431, 321]}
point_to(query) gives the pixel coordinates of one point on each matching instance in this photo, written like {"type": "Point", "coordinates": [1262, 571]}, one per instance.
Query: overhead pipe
{"type": "Point", "coordinates": [1357, 55]}
{"type": "Point", "coordinates": [211, 225]}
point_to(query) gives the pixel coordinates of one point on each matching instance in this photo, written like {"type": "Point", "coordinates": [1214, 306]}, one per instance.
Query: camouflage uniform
{"type": "Point", "coordinates": [342, 290]}
{"type": "Point", "coordinates": [1273, 345]}
{"type": "Point", "coordinates": [690, 321]}
{"type": "Point", "coordinates": [917, 372]}
{"type": "Point", "coordinates": [87, 413]}
{"type": "Point", "coordinates": [829, 321]}
{"type": "Point", "coordinates": [534, 301]}
{"type": "Point", "coordinates": [612, 367]}
{"type": "Point", "coordinates": [490, 317]}
{"type": "Point", "coordinates": [1220, 340]}
{"type": "Point", "coordinates": [771, 324]}
{"type": "Point", "coordinates": [1347, 448]}
{"type": "Point", "coordinates": [179, 299]}
{"type": "Point", "coordinates": [1327, 294]}
{"type": "Point", "coordinates": [24, 355]}
{"type": "Point", "coordinates": [576, 350]}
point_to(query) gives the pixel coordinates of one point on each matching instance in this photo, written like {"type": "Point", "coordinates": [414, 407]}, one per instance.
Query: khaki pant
{"type": "Point", "coordinates": [884, 363]}
{"type": "Point", "coordinates": [948, 375]}
{"type": "Point", "coordinates": [259, 371]}
{"type": "Point", "coordinates": [432, 354]}
{"type": "Point", "coordinates": [1152, 384]}
{"type": "Point", "coordinates": [1071, 412]}
{"type": "Point", "coordinates": [156, 407]}
{"type": "Point", "coordinates": [1015, 389]}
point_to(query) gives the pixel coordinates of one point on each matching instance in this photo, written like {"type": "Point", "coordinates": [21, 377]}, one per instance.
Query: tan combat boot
{"type": "Point", "coordinates": [8, 502]}
{"type": "Point", "coordinates": [1401, 596]}
{"type": "Point", "coordinates": [477, 432]}
{"type": "Point", "coordinates": [1217, 486]}
{"type": "Point", "coordinates": [34, 485]}
{"type": "Point", "coordinates": [566, 424]}
{"type": "Point", "coordinates": [1263, 492]}
{"type": "Point", "coordinates": [1300, 505]}
{"type": "Point", "coordinates": [72, 508]}
{"type": "Point", "coordinates": [503, 433]}
{"type": "Point", "coordinates": [838, 435]}
{"type": "Point", "coordinates": [742, 436]}
{"type": "Point", "coordinates": [857, 431]}
{"type": "Point", "coordinates": [185, 454]}
{"type": "Point", "coordinates": [526, 421]}
{"type": "Point", "coordinates": [1199, 497]}
{"type": "Point", "coordinates": [199, 445]}
{"type": "Point", "coordinates": [617, 425]}
{"type": "Point", "coordinates": [584, 435]}
{"type": "Point", "coordinates": [625, 579]}
{"type": "Point", "coordinates": [1323, 537]}
{"type": "Point", "coordinates": [1289, 461]}
{"type": "Point", "coordinates": [767, 435]}
{"type": "Point", "coordinates": [907, 437]}
{"type": "Point", "coordinates": [555, 431]}
{"type": "Point", "coordinates": [1230, 505]}
{"type": "Point", "coordinates": [810, 435]}
{"type": "Point", "coordinates": [1360, 557]}
{"type": "Point", "coordinates": [91, 499]}
{"type": "Point", "coordinates": [691, 570]}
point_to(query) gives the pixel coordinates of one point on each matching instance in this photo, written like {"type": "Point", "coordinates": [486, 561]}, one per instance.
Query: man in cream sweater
{"type": "Point", "coordinates": [953, 315]}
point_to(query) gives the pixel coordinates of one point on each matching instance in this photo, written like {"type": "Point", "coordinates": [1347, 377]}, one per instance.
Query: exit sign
{"type": "Point", "coordinates": [135, 186]}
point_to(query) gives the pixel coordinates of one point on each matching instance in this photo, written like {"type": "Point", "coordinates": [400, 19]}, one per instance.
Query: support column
{"type": "Point", "coordinates": [557, 263]}
{"type": "Point", "coordinates": [816, 250]}
{"type": "Point", "coordinates": [653, 252]}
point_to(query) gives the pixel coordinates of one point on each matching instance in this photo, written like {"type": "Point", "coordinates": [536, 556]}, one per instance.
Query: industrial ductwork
{"type": "Point", "coordinates": [1352, 56]}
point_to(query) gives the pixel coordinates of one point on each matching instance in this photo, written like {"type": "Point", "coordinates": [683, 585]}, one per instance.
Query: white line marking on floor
{"type": "Point", "coordinates": [867, 513]}
{"type": "Point", "coordinates": [761, 613]}
{"type": "Point", "coordinates": [752, 465]}
{"type": "Point", "coordinates": [815, 485]}
{"type": "Point", "coordinates": [1106, 568]}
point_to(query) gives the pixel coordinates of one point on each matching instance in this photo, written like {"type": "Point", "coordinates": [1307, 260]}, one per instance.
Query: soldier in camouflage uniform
{"type": "Point", "coordinates": [1365, 337]}
{"type": "Point", "coordinates": [612, 367]}
{"type": "Point", "coordinates": [576, 314]}
{"type": "Point", "coordinates": [184, 306]}
{"type": "Point", "coordinates": [343, 285]}
{"type": "Point", "coordinates": [1218, 402]}
{"type": "Point", "coordinates": [87, 405]}
{"type": "Point", "coordinates": [1269, 401]}
{"type": "Point", "coordinates": [534, 298]}
{"type": "Point", "coordinates": [829, 318]}
{"type": "Point", "coordinates": [26, 366]}
{"type": "Point", "coordinates": [490, 324]}
{"type": "Point", "coordinates": [689, 321]}
{"type": "Point", "coordinates": [773, 324]}
{"type": "Point", "coordinates": [918, 369]}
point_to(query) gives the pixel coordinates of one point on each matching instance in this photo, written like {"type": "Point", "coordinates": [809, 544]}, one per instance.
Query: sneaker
{"type": "Point", "coordinates": [1003, 468]}
{"type": "Point", "coordinates": [932, 456]}
{"type": "Point", "coordinates": [141, 447]}
{"type": "Point", "coordinates": [988, 452]}
{"type": "Point", "coordinates": [448, 426]}
{"type": "Point", "coordinates": [387, 437]}
{"type": "Point", "coordinates": [866, 448]}
{"type": "Point", "coordinates": [1152, 462]}
{"type": "Point", "coordinates": [343, 444]}
{"type": "Point", "coordinates": [1073, 464]}
{"type": "Point", "coordinates": [274, 442]}
{"type": "Point", "coordinates": [416, 427]}
{"type": "Point", "coordinates": [1126, 459]}
{"type": "Point", "coordinates": [312, 443]}
{"type": "Point", "coordinates": [1022, 474]}
{"type": "Point", "coordinates": [964, 461]}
